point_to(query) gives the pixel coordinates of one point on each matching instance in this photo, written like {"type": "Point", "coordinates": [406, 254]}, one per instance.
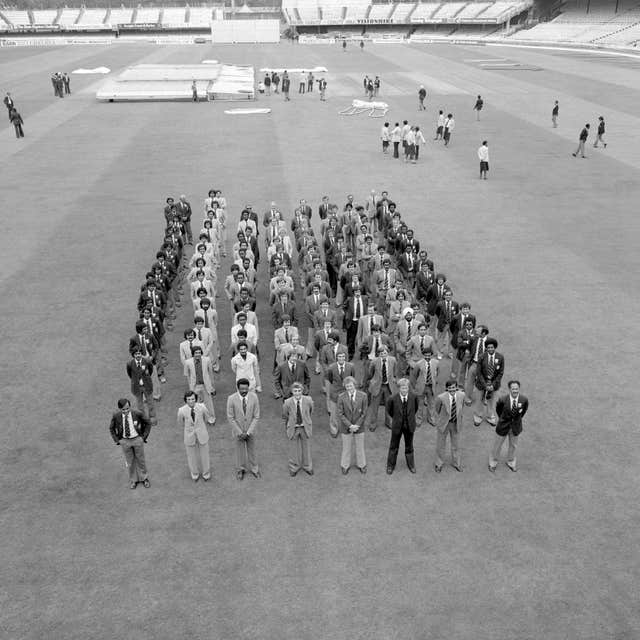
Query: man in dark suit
{"type": "Point", "coordinates": [408, 266]}
{"type": "Point", "coordinates": [403, 408]}
{"type": "Point", "coordinates": [293, 370]}
{"type": "Point", "coordinates": [283, 308]}
{"type": "Point", "coordinates": [130, 430]}
{"type": "Point", "coordinates": [488, 377]}
{"type": "Point", "coordinates": [140, 371]}
{"type": "Point", "coordinates": [446, 309]}
{"type": "Point", "coordinates": [9, 103]}
{"type": "Point", "coordinates": [424, 279]}
{"type": "Point", "coordinates": [435, 293]}
{"type": "Point", "coordinates": [354, 308]}
{"type": "Point", "coordinates": [184, 210]}
{"type": "Point", "coordinates": [511, 409]}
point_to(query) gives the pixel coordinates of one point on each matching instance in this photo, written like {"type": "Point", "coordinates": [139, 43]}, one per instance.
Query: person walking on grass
{"type": "Point", "coordinates": [440, 125]}
{"type": "Point", "coordinates": [17, 122]}
{"type": "Point", "coordinates": [419, 141]}
{"type": "Point", "coordinates": [385, 136]}
{"type": "Point", "coordinates": [554, 114]}
{"type": "Point", "coordinates": [483, 156]}
{"type": "Point", "coordinates": [477, 107]}
{"type": "Point", "coordinates": [600, 134]}
{"type": "Point", "coordinates": [422, 94]}
{"type": "Point", "coordinates": [449, 125]}
{"type": "Point", "coordinates": [286, 85]}
{"type": "Point", "coordinates": [584, 134]}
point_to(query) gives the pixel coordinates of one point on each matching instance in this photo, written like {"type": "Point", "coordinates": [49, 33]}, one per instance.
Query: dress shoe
{"type": "Point", "coordinates": [363, 470]}
{"type": "Point", "coordinates": [437, 469]}
{"type": "Point", "coordinates": [207, 477]}
{"type": "Point", "coordinates": [133, 485]}
{"type": "Point", "coordinates": [196, 478]}
{"type": "Point", "coordinates": [257, 474]}
{"type": "Point", "coordinates": [293, 473]}
{"type": "Point", "coordinates": [492, 423]}
{"type": "Point", "coordinates": [308, 471]}
{"type": "Point", "coordinates": [512, 467]}
{"type": "Point", "coordinates": [240, 474]}
{"type": "Point", "coordinates": [211, 421]}
{"type": "Point", "coordinates": [389, 470]}
{"type": "Point", "coordinates": [477, 422]}
{"type": "Point", "coordinates": [457, 467]}
{"type": "Point", "coordinates": [412, 468]}
{"type": "Point", "coordinates": [345, 471]}
{"type": "Point", "coordinates": [146, 484]}
{"type": "Point", "coordinates": [334, 434]}
{"type": "Point", "coordinates": [492, 468]}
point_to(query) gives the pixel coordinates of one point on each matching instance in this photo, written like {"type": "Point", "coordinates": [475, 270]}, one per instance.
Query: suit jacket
{"type": "Point", "coordinates": [310, 307]}
{"type": "Point", "coordinates": [349, 310]}
{"type": "Point", "coordinates": [364, 327]}
{"type": "Point", "coordinates": [140, 423]}
{"type": "Point", "coordinates": [239, 421]}
{"type": "Point", "coordinates": [441, 312]}
{"type": "Point", "coordinates": [151, 345]}
{"type": "Point", "coordinates": [401, 334]}
{"type": "Point", "coordinates": [207, 374]}
{"type": "Point", "coordinates": [328, 357]}
{"type": "Point", "coordinates": [482, 372]}
{"type": "Point", "coordinates": [289, 415]}
{"type": "Point", "coordinates": [457, 322]}
{"type": "Point", "coordinates": [384, 340]}
{"type": "Point", "coordinates": [403, 265]}
{"type": "Point", "coordinates": [462, 342]}
{"type": "Point", "coordinates": [332, 376]}
{"type": "Point", "coordinates": [285, 378]}
{"type": "Point", "coordinates": [394, 409]}
{"type": "Point", "coordinates": [423, 282]}
{"type": "Point", "coordinates": [508, 419]}
{"type": "Point", "coordinates": [375, 382]}
{"type": "Point", "coordinates": [418, 375]}
{"type": "Point", "coordinates": [319, 318]}
{"type": "Point", "coordinates": [279, 337]}
{"type": "Point", "coordinates": [194, 430]}
{"type": "Point", "coordinates": [443, 410]}
{"type": "Point", "coordinates": [352, 412]}
{"type": "Point", "coordinates": [277, 313]}
{"type": "Point", "coordinates": [433, 297]}
{"type": "Point", "coordinates": [185, 350]}
{"type": "Point", "coordinates": [140, 376]}
{"type": "Point", "coordinates": [414, 348]}
{"type": "Point", "coordinates": [379, 279]}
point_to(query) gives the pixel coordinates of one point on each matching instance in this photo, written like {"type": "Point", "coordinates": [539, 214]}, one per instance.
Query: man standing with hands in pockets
{"type": "Point", "coordinates": [352, 411]}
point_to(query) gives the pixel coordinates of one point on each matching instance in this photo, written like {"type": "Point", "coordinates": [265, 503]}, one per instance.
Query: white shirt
{"type": "Point", "coordinates": [245, 368]}
{"type": "Point", "coordinates": [420, 138]}
{"type": "Point", "coordinates": [132, 429]}
{"type": "Point", "coordinates": [252, 334]}
{"type": "Point", "coordinates": [483, 153]}
{"type": "Point", "coordinates": [384, 134]}
{"type": "Point", "coordinates": [449, 123]}
{"type": "Point", "coordinates": [441, 120]}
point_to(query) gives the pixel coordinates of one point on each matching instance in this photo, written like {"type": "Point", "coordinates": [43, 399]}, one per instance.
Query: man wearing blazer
{"type": "Point", "coordinates": [199, 373]}
{"type": "Point", "coordinates": [293, 370]}
{"type": "Point", "coordinates": [367, 323]}
{"type": "Point", "coordinates": [243, 413]}
{"type": "Point", "coordinates": [354, 308]}
{"type": "Point", "coordinates": [435, 293]}
{"type": "Point", "coordinates": [191, 419]}
{"type": "Point", "coordinates": [376, 341]}
{"type": "Point", "coordinates": [130, 430]}
{"type": "Point", "coordinates": [425, 377]}
{"type": "Point", "coordinates": [335, 376]}
{"type": "Point", "coordinates": [446, 309]}
{"type": "Point", "coordinates": [511, 409]}
{"type": "Point", "coordinates": [488, 378]}
{"type": "Point", "coordinates": [352, 412]}
{"type": "Point", "coordinates": [381, 386]}
{"type": "Point", "coordinates": [449, 407]}
{"type": "Point", "coordinates": [419, 344]}
{"type": "Point", "coordinates": [140, 370]}
{"type": "Point", "coordinates": [296, 415]}
{"type": "Point", "coordinates": [402, 408]}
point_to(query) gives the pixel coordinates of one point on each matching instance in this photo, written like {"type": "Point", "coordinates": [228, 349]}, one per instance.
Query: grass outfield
{"type": "Point", "coordinates": [545, 250]}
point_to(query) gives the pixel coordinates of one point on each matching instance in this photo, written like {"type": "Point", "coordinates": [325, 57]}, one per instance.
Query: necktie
{"type": "Point", "coordinates": [490, 368]}
{"type": "Point", "coordinates": [421, 344]}
{"type": "Point", "coordinates": [325, 313]}
{"type": "Point", "coordinates": [357, 309]}
{"type": "Point", "coordinates": [408, 330]}
{"type": "Point", "coordinates": [353, 398]}
{"type": "Point", "coordinates": [513, 406]}
{"type": "Point", "coordinates": [448, 311]}
{"type": "Point", "coordinates": [298, 413]}
{"type": "Point", "coordinates": [244, 406]}
{"type": "Point", "coordinates": [370, 324]}
{"type": "Point", "coordinates": [384, 372]}
{"type": "Point", "coordinates": [193, 415]}
{"type": "Point", "coordinates": [206, 319]}
{"type": "Point", "coordinates": [291, 368]}
{"type": "Point", "coordinates": [404, 408]}
{"type": "Point", "coordinates": [286, 335]}
{"type": "Point", "coordinates": [143, 345]}
{"type": "Point", "coordinates": [125, 422]}
{"type": "Point", "coordinates": [199, 334]}
{"type": "Point", "coordinates": [429, 378]}
{"type": "Point", "coordinates": [341, 368]}
{"type": "Point", "coordinates": [386, 279]}
{"type": "Point", "coordinates": [454, 408]}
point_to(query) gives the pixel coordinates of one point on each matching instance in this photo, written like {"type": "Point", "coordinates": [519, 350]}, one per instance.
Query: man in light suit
{"type": "Point", "coordinates": [367, 323]}
{"type": "Point", "coordinates": [376, 341]}
{"type": "Point", "coordinates": [402, 408]}
{"type": "Point", "coordinates": [199, 374]}
{"type": "Point", "coordinates": [449, 407]}
{"type": "Point", "coordinates": [281, 337]}
{"type": "Point", "coordinates": [381, 385]}
{"type": "Point", "coordinates": [418, 345]}
{"type": "Point", "coordinates": [130, 430]}
{"type": "Point", "coordinates": [293, 370]}
{"type": "Point", "coordinates": [191, 418]}
{"type": "Point", "coordinates": [335, 377]}
{"type": "Point", "coordinates": [296, 415]}
{"type": "Point", "coordinates": [424, 376]}
{"type": "Point", "coordinates": [243, 413]}
{"type": "Point", "coordinates": [385, 279]}
{"type": "Point", "coordinates": [352, 412]}
{"type": "Point", "coordinates": [511, 409]}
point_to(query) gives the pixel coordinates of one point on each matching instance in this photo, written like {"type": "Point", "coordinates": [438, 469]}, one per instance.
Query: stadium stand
{"type": "Point", "coordinates": [357, 10]}
{"type": "Point", "coordinates": [16, 18]}
{"type": "Point", "coordinates": [122, 15]}
{"type": "Point", "coordinates": [333, 11]}
{"type": "Point", "coordinates": [147, 15]}
{"type": "Point", "coordinates": [200, 17]}
{"type": "Point", "coordinates": [380, 11]}
{"type": "Point", "coordinates": [68, 17]}
{"type": "Point", "coordinates": [44, 16]}
{"type": "Point", "coordinates": [308, 12]}
{"type": "Point", "coordinates": [448, 11]}
{"type": "Point", "coordinates": [403, 11]}
{"type": "Point", "coordinates": [472, 10]}
{"type": "Point", "coordinates": [173, 16]}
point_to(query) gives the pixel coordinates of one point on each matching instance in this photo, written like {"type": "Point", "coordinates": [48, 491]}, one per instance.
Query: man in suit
{"type": "Point", "coordinates": [140, 371]}
{"type": "Point", "coordinates": [281, 337]}
{"type": "Point", "coordinates": [408, 266]}
{"type": "Point", "coordinates": [335, 376]}
{"type": "Point", "coordinates": [367, 323]}
{"type": "Point", "coordinates": [406, 328]}
{"type": "Point", "coordinates": [191, 419]}
{"type": "Point", "coordinates": [284, 307]}
{"type": "Point", "coordinates": [312, 305]}
{"type": "Point", "coordinates": [352, 412]}
{"type": "Point", "coordinates": [376, 341]}
{"type": "Point", "coordinates": [199, 373]}
{"type": "Point", "coordinates": [446, 309]}
{"type": "Point", "coordinates": [402, 408]}
{"type": "Point", "coordinates": [475, 356]}
{"type": "Point", "coordinates": [418, 345]}
{"type": "Point", "coordinates": [435, 293]}
{"type": "Point", "coordinates": [424, 279]}
{"type": "Point", "coordinates": [296, 415]}
{"type": "Point", "coordinates": [289, 372]}
{"type": "Point", "coordinates": [130, 430]}
{"type": "Point", "coordinates": [184, 210]}
{"type": "Point", "coordinates": [9, 103]}
{"type": "Point", "coordinates": [381, 386]}
{"type": "Point", "coordinates": [385, 279]}
{"type": "Point", "coordinates": [424, 376]}
{"type": "Point", "coordinates": [449, 407]}
{"type": "Point", "coordinates": [488, 378]}
{"type": "Point", "coordinates": [243, 413]}
{"type": "Point", "coordinates": [511, 409]}
{"type": "Point", "coordinates": [354, 308]}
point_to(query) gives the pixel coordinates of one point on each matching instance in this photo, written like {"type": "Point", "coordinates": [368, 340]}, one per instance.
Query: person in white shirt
{"type": "Point", "coordinates": [419, 140]}
{"type": "Point", "coordinates": [385, 136]}
{"type": "Point", "coordinates": [245, 365]}
{"type": "Point", "coordinates": [440, 125]}
{"type": "Point", "coordinates": [396, 137]}
{"type": "Point", "coordinates": [449, 125]}
{"type": "Point", "coordinates": [410, 146]}
{"type": "Point", "coordinates": [483, 155]}
{"type": "Point", "coordinates": [252, 334]}
{"type": "Point", "coordinates": [303, 82]}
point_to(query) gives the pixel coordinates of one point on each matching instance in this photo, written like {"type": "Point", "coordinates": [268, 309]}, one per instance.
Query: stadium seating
{"type": "Point", "coordinates": [308, 12]}
{"type": "Point", "coordinates": [17, 18]}
{"type": "Point", "coordinates": [121, 16]}
{"type": "Point", "coordinates": [403, 10]}
{"type": "Point", "coordinates": [68, 17]}
{"type": "Point", "coordinates": [357, 9]}
{"type": "Point", "coordinates": [424, 11]}
{"type": "Point", "coordinates": [448, 10]}
{"type": "Point", "coordinates": [333, 10]}
{"type": "Point", "coordinates": [92, 17]}
{"type": "Point", "coordinates": [173, 16]}
{"type": "Point", "coordinates": [200, 17]}
{"type": "Point", "coordinates": [44, 16]}
{"type": "Point", "coordinates": [472, 10]}
{"type": "Point", "coordinates": [147, 15]}
{"type": "Point", "coordinates": [380, 11]}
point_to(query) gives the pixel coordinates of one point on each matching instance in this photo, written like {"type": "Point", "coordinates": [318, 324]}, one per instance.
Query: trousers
{"type": "Point", "coordinates": [300, 451]}
{"type": "Point", "coordinates": [246, 454]}
{"type": "Point", "coordinates": [198, 459]}
{"type": "Point", "coordinates": [133, 450]}
{"type": "Point", "coordinates": [394, 446]}
{"type": "Point", "coordinates": [497, 445]}
{"type": "Point", "coordinates": [451, 430]}
{"type": "Point", "coordinates": [347, 445]}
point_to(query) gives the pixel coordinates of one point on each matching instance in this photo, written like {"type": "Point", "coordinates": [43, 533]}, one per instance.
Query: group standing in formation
{"type": "Point", "coordinates": [359, 314]}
